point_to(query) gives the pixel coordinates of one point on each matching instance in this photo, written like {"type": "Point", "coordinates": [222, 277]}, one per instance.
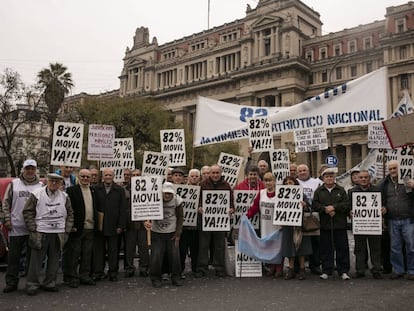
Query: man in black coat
{"type": "Point", "coordinates": [78, 249]}
{"type": "Point", "coordinates": [111, 204]}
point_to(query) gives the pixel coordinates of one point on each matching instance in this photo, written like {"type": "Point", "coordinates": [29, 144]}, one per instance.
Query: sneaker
{"type": "Point", "coordinates": [9, 288]}
{"type": "Point", "coordinates": [345, 277]}
{"type": "Point", "coordinates": [323, 276]}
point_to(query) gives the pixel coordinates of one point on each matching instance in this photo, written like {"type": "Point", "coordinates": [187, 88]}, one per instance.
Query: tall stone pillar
{"type": "Point", "coordinates": [348, 157]}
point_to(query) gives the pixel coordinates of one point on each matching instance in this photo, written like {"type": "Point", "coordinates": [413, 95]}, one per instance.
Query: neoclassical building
{"type": "Point", "coordinates": [275, 56]}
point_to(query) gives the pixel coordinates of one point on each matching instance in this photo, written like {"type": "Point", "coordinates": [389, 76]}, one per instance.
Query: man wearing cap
{"type": "Point", "coordinates": [16, 195]}
{"type": "Point", "coordinates": [49, 218]}
{"type": "Point", "coordinates": [177, 176]}
{"type": "Point", "coordinates": [331, 201]}
{"type": "Point", "coordinates": [165, 237]}
{"type": "Point", "coordinates": [77, 252]}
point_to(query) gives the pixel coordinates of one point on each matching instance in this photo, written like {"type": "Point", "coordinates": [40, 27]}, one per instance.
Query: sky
{"type": "Point", "coordinates": [90, 36]}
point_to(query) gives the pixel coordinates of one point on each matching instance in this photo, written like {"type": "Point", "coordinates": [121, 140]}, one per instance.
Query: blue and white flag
{"type": "Point", "coordinates": [266, 249]}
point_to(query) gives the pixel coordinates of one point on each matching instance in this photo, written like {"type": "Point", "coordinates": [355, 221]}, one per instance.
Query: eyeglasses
{"type": "Point", "coordinates": [54, 181]}
{"type": "Point", "coordinates": [84, 176]}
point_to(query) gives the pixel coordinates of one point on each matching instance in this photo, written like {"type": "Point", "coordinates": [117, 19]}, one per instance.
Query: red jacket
{"type": "Point", "coordinates": [245, 185]}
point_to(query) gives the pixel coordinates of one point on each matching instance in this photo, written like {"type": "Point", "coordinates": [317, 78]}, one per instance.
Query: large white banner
{"type": "Point", "coordinates": [351, 104]}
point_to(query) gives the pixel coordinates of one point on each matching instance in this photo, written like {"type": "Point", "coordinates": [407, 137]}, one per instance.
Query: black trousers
{"type": "Point", "coordinates": [16, 246]}
{"type": "Point", "coordinates": [360, 251]}
{"type": "Point", "coordinates": [105, 245]}
{"type": "Point", "coordinates": [205, 239]}
{"type": "Point", "coordinates": [341, 248]}
{"type": "Point", "coordinates": [189, 241]}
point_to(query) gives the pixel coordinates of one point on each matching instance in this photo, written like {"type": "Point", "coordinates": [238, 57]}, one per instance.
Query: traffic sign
{"type": "Point", "coordinates": [331, 160]}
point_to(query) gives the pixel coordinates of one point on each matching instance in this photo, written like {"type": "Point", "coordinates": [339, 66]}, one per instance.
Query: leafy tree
{"type": "Point", "coordinates": [18, 109]}
{"type": "Point", "coordinates": [55, 82]}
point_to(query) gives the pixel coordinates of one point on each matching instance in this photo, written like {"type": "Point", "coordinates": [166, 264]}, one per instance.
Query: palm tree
{"type": "Point", "coordinates": [56, 82]}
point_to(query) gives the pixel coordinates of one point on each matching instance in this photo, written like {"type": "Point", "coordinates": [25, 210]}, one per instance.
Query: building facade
{"type": "Point", "coordinates": [275, 56]}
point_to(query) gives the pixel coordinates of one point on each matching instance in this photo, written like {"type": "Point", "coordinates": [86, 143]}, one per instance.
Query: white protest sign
{"type": "Point", "coordinates": [247, 266]}
{"type": "Point", "coordinates": [243, 200]}
{"type": "Point", "coordinates": [190, 195]}
{"type": "Point", "coordinates": [366, 213]}
{"type": "Point", "coordinates": [230, 165]}
{"type": "Point", "coordinates": [101, 142]}
{"type": "Point", "coordinates": [173, 143]}
{"type": "Point", "coordinates": [146, 198]}
{"type": "Point", "coordinates": [155, 164]}
{"type": "Point", "coordinates": [123, 157]}
{"type": "Point", "coordinates": [67, 144]}
{"type": "Point", "coordinates": [288, 208]}
{"type": "Point", "coordinates": [260, 134]}
{"type": "Point", "coordinates": [279, 163]}
{"type": "Point", "coordinates": [216, 207]}
{"type": "Point", "coordinates": [312, 139]}
{"type": "Point", "coordinates": [377, 138]}
{"type": "Point", "coordinates": [406, 168]}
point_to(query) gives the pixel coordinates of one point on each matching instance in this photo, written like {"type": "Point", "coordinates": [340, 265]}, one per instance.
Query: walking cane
{"type": "Point", "coordinates": [149, 243]}
{"type": "Point", "coordinates": [332, 250]}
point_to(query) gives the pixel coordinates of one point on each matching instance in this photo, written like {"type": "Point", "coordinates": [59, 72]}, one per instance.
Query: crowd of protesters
{"type": "Point", "coordinates": [80, 221]}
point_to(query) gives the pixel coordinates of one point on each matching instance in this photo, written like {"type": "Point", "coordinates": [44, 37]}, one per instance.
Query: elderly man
{"type": "Point", "coordinates": [49, 218]}
{"type": "Point", "coordinates": [78, 250]}
{"type": "Point", "coordinates": [16, 195]}
{"type": "Point", "coordinates": [111, 204]}
{"type": "Point", "coordinates": [331, 201]}
{"type": "Point", "coordinates": [398, 206]}
{"type": "Point", "coordinates": [252, 181]}
{"type": "Point", "coordinates": [214, 182]}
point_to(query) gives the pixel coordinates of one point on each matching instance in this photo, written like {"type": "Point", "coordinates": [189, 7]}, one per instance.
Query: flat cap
{"type": "Point", "coordinates": [54, 176]}
{"type": "Point", "coordinates": [330, 170]}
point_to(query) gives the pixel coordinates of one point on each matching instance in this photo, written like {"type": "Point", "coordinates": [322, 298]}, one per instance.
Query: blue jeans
{"type": "Point", "coordinates": [402, 230]}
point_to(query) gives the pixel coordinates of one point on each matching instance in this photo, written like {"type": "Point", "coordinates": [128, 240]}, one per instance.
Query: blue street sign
{"type": "Point", "coordinates": [331, 160]}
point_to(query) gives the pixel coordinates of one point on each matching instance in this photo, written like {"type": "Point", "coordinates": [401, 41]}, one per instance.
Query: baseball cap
{"type": "Point", "coordinates": [167, 187]}
{"type": "Point", "coordinates": [29, 162]}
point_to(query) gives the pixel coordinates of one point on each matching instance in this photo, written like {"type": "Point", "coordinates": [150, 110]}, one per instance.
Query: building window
{"type": "Point", "coordinates": [367, 43]}
{"type": "Point", "coordinates": [337, 49]}
{"type": "Point", "coordinates": [197, 46]}
{"type": "Point", "coordinates": [322, 53]}
{"type": "Point", "coordinates": [352, 46]}
{"type": "Point", "coordinates": [403, 52]}
{"type": "Point", "coordinates": [309, 56]}
{"type": "Point", "coordinates": [338, 73]}
{"type": "Point", "coordinates": [311, 78]}
{"type": "Point", "coordinates": [369, 67]}
{"type": "Point", "coordinates": [400, 25]}
{"type": "Point", "coordinates": [228, 37]}
{"type": "Point", "coordinates": [324, 76]}
{"type": "Point", "coordinates": [404, 81]}
{"type": "Point", "coordinates": [353, 70]}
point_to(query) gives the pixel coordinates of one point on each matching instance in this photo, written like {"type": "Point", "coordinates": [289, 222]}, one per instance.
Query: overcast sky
{"type": "Point", "coordinates": [90, 36]}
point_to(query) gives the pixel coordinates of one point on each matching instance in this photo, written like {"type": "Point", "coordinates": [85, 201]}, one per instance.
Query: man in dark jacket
{"type": "Point", "coordinates": [214, 182]}
{"type": "Point", "coordinates": [111, 205]}
{"type": "Point", "coordinates": [78, 249]}
{"type": "Point", "coordinates": [331, 201]}
{"type": "Point", "coordinates": [374, 241]}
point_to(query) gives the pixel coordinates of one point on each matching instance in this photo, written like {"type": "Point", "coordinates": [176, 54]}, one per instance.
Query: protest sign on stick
{"type": "Point", "coordinates": [288, 207]}
{"type": "Point", "coordinates": [216, 207]}
{"type": "Point", "coordinates": [366, 213]}
{"type": "Point", "coordinates": [243, 200]}
{"type": "Point", "coordinates": [67, 144]}
{"type": "Point", "coordinates": [312, 139]}
{"type": "Point", "coordinates": [146, 198]}
{"type": "Point", "coordinates": [155, 164]}
{"type": "Point", "coordinates": [190, 195]}
{"type": "Point", "coordinates": [123, 157]}
{"type": "Point", "coordinates": [260, 134]}
{"type": "Point", "coordinates": [279, 162]}
{"type": "Point", "coordinates": [230, 165]}
{"type": "Point", "coordinates": [377, 138]}
{"type": "Point", "coordinates": [173, 143]}
{"type": "Point", "coordinates": [101, 142]}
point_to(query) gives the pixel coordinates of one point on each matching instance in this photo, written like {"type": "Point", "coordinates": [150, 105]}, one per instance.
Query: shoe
{"type": "Point", "coordinates": [182, 276]}
{"type": "Point", "coordinates": [113, 278]}
{"type": "Point", "coordinates": [359, 275]}
{"type": "Point", "coordinates": [410, 277]}
{"type": "Point", "coordinates": [156, 284]}
{"type": "Point", "coordinates": [143, 273]}
{"type": "Point", "coordinates": [88, 282]}
{"type": "Point", "coordinates": [302, 275]}
{"type": "Point", "coordinates": [221, 274]}
{"type": "Point", "coordinates": [323, 276]}
{"type": "Point", "coordinates": [129, 274]}
{"type": "Point", "coordinates": [345, 277]}
{"type": "Point", "coordinates": [395, 276]}
{"type": "Point", "coordinates": [31, 291]}
{"type": "Point", "coordinates": [177, 282]}
{"type": "Point", "coordinates": [290, 274]}
{"type": "Point", "coordinates": [316, 271]}
{"type": "Point", "coordinates": [9, 288]}
{"type": "Point", "coordinates": [200, 274]}
{"type": "Point", "coordinates": [165, 277]}
{"type": "Point", "coordinates": [73, 284]}
{"type": "Point", "coordinates": [278, 274]}
{"type": "Point", "coordinates": [52, 289]}
{"type": "Point", "coordinates": [378, 275]}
